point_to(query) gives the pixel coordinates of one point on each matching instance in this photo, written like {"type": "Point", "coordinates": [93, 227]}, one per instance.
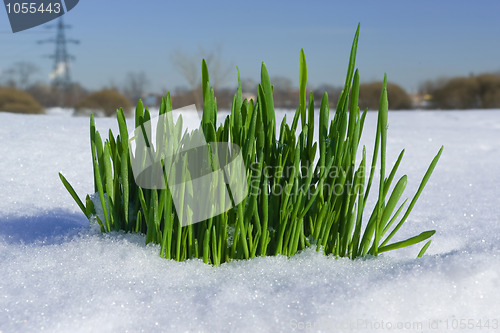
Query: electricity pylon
{"type": "Point", "coordinates": [60, 76]}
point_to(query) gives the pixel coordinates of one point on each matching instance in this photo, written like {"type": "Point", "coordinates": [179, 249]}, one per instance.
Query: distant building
{"type": "Point", "coordinates": [152, 100]}
{"type": "Point", "coordinates": [421, 100]}
{"type": "Point", "coordinates": [249, 96]}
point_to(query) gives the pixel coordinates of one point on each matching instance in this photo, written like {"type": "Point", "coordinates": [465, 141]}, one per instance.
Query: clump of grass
{"type": "Point", "coordinates": [295, 200]}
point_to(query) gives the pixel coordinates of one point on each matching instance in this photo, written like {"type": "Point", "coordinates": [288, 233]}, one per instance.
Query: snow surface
{"type": "Point", "coordinates": [59, 274]}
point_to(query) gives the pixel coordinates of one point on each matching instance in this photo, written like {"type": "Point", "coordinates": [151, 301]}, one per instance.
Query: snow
{"type": "Point", "coordinates": [59, 274]}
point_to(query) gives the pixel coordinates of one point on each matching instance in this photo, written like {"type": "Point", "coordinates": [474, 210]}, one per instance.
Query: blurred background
{"type": "Point", "coordinates": [108, 54]}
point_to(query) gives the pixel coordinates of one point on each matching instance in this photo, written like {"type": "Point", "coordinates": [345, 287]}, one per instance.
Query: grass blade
{"type": "Point", "coordinates": [410, 241]}
{"type": "Point", "coordinates": [75, 197]}
{"type": "Point", "coordinates": [424, 249]}
{"type": "Point", "coordinates": [302, 86]}
{"type": "Point", "coordinates": [415, 198]}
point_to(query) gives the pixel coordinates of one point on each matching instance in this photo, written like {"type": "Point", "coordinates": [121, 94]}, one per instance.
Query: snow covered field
{"type": "Point", "coordinates": [58, 274]}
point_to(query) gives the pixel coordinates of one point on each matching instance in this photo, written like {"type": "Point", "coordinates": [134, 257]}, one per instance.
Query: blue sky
{"type": "Point", "coordinates": [410, 40]}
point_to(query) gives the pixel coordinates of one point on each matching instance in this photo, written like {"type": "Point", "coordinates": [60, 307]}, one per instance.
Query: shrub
{"type": "Point", "coordinates": [18, 101]}
{"type": "Point", "coordinates": [332, 91]}
{"type": "Point", "coordinates": [49, 96]}
{"type": "Point", "coordinates": [489, 90]}
{"type": "Point", "coordinates": [43, 94]}
{"type": "Point", "coordinates": [295, 200]}
{"type": "Point", "coordinates": [457, 93]}
{"type": "Point", "coordinates": [482, 91]}
{"type": "Point", "coordinates": [106, 101]}
{"type": "Point", "coordinates": [369, 96]}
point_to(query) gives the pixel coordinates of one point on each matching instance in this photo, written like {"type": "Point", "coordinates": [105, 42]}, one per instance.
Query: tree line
{"type": "Point", "coordinates": [472, 92]}
{"type": "Point", "coordinates": [19, 94]}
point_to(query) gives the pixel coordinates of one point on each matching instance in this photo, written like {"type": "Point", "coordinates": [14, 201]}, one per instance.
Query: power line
{"type": "Point", "coordinates": [60, 76]}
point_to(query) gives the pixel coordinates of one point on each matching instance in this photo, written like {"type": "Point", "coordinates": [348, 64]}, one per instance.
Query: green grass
{"type": "Point", "coordinates": [295, 200]}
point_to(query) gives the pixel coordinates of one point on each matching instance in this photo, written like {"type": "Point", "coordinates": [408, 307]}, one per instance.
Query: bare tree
{"type": "Point", "coordinates": [189, 66]}
{"type": "Point", "coordinates": [19, 74]}
{"type": "Point", "coordinates": [219, 68]}
{"type": "Point", "coordinates": [135, 85]}
{"type": "Point", "coordinates": [249, 86]}
{"type": "Point", "coordinates": [281, 83]}
{"type": "Point", "coordinates": [6, 78]}
{"type": "Point", "coordinates": [332, 91]}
